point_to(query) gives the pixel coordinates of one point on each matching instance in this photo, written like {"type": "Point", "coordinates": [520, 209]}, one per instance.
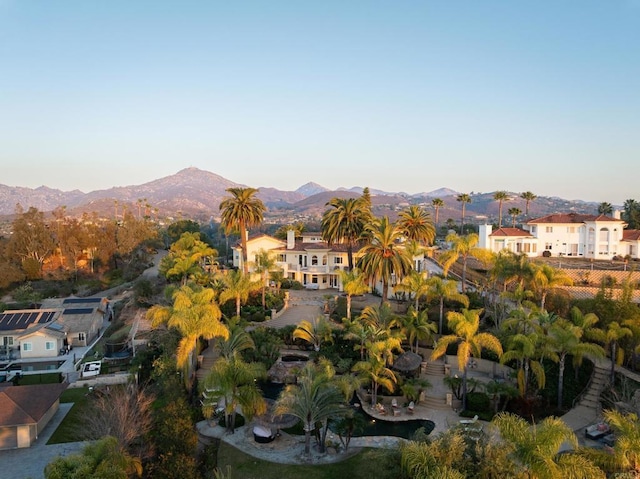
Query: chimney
{"type": "Point", "coordinates": [617, 214]}
{"type": "Point", "coordinates": [291, 238]}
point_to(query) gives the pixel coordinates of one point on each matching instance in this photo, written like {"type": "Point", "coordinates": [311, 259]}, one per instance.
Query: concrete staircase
{"type": "Point", "coordinates": [436, 395]}
{"type": "Point", "coordinates": [209, 357]}
{"type": "Point", "coordinates": [434, 368]}
{"type": "Point", "coordinates": [599, 380]}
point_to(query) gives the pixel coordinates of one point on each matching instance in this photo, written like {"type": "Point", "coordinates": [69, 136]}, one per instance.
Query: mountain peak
{"type": "Point", "coordinates": [310, 189]}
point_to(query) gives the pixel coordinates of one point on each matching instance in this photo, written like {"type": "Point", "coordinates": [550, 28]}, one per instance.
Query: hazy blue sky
{"type": "Point", "coordinates": [398, 95]}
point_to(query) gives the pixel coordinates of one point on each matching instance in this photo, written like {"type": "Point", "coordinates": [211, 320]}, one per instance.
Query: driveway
{"type": "Point", "coordinates": [29, 463]}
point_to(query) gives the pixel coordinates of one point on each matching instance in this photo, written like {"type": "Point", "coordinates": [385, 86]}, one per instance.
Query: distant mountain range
{"type": "Point", "coordinates": [195, 193]}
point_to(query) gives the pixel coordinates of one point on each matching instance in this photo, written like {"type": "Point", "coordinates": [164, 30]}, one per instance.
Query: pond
{"type": "Point", "coordinates": [372, 426]}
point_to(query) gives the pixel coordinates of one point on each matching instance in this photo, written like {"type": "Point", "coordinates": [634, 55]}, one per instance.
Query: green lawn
{"type": "Point", "coordinates": [69, 430]}
{"type": "Point", "coordinates": [378, 463]}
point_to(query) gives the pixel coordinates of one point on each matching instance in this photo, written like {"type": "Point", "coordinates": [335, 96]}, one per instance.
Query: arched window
{"type": "Point", "coordinates": [324, 260]}
{"type": "Point", "coordinates": [314, 260]}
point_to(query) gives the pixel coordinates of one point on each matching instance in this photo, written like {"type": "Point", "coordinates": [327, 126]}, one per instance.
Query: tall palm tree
{"type": "Point", "coordinates": [238, 341]}
{"type": "Point", "coordinates": [353, 283]}
{"type": "Point", "coordinates": [466, 334]}
{"type": "Point", "coordinates": [528, 197]}
{"type": "Point", "coordinates": [264, 264]}
{"type": "Point", "coordinates": [611, 338]}
{"type": "Point", "coordinates": [514, 213]}
{"type": "Point", "coordinates": [195, 314]}
{"type": "Point", "coordinates": [382, 259]}
{"type": "Point", "coordinates": [185, 257]}
{"type": "Point", "coordinates": [437, 203]}
{"type": "Point", "coordinates": [546, 278]}
{"type": "Point", "coordinates": [566, 339]}
{"type": "Point", "coordinates": [463, 247]}
{"type": "Point", "coordinates": [446, 290]}
{"type": "Point", "coordinates": [233, 382]}
{"type": "Point", "coordinates": [240, 212]}
{"type": "Point", "coordinates": [463, 198]}
{"type": "Point", "coordinates": [500, 197]}
{"type": "Point", "coordinates": [237, 286]}
{"type": "Point", "coordinates": [416, 326]}
{"type": "Point", "coordinates": [605, 208]}
{"type": "Point", "coordinates": [522, 348]}
{"type": "Point", "coordinates": [417, 285]}
{"type": "Point", "coordinates": [313, 399]}
{"type": "Point", "coordinates": [416, 225]}
{"type": "Point", "coordinates": [344, 222]}
{"type": "Point", "coordinates": [536, 449]}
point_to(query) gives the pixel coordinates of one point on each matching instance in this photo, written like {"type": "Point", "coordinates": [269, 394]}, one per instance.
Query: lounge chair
{"type": "Point", "coordinates": [469, 421]}
{"type": "Point", "coordinates": [410, 407]}
{"type": "Point", "coordinates": [394, 403]}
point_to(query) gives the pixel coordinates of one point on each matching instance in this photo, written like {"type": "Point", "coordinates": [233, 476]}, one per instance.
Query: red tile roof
{"type": "Point", "coordinates": [631, 235]}
{"type": "Point", "coordinates": [511, 232]}
{"type": "Point", "coordinates": [27, 404]}
{"type": "Point", "coordinates": [565, 218]}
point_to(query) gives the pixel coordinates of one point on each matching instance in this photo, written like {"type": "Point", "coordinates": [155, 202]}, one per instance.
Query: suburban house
{"type": "Point", "coordinates": [25, 411]}
{"type": "Point", "coordinates": [307, 259]}
{"type": "Point", "coordinates": [561, 234]}
{"type": "Point", "coordinates": [50, 330]}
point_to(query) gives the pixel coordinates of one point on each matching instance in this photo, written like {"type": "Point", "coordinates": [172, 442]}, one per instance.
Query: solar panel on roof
{"type": "Point", "coordinates": [78, 311]}
{"type": "Point", "coordinates": [47, 316]}
{"type": "Point", "coordinates": [22, 320]}
{"type": "Point", "coordinates": [81, 300]}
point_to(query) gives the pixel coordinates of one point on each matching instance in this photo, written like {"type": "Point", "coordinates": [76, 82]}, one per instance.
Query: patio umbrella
{"type": "Point", "coordinates": [407, 362]}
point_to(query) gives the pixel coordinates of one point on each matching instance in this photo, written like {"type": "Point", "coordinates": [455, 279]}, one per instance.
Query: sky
{"type": "Point", "coordinates": [411, 96]}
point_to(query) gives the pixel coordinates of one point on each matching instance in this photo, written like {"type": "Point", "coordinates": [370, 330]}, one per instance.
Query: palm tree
{"type": "Point", "coordinates": [416, 326]}
{"type": "Point", "coordinates": [239, 212]}
{"type": "Point", "coordinates": [500, 197]}
{"type": "Point", "coordinates": [238, 341]}
{"type": "Point", "coordinates": [463, 198]}
{"type": "Point", "coordinates": [376, 371]}
{"type": "Point", "coordinates": [514, 213]}
{"type": "Point", "coordinates": [313, 399]}
{"type": "Point", "coordinates": [237, 286]}
{"type": "Point", "coordinates": [265, 262]}
{"type": "Point", "coordinates": [528, 197]}
{"type": "Point", "coordinates": [382, 259]}
{"type": "Point", "coordinates": [465, 326]}
{"type": "Point", "coordinates": [523, 348]}
{"type": "Point", "coordinates": [195, 314]}
{"type": "Point", "coordinates": [605, 208]}
{"type": "Point", "coordinates": [233, 382]}
{"type": "Point", "coordinates": [315, 333]}
{"type": "Point", "coordinates": [353, 283]}
{"type": "Point", "coordinates": [446, 290]}
{"type": "Point", "coordinates": [344, 222]}
{"type": "Point", "coordinates": [463, 247]}
{"type": "Point", "coordinates": [566, 339]}
{"type": "Point", "coordinates": [631, 213]}
{"type": "Point", "coordinates": [185, 257]}
{"type": "Point", "coordinates": [416, 225]}
{"type": "Point", "coordinates": [611, 337]}
{"type": "Point", "coordinates": [437, 203]}
{"type": "Point", "coordinates": [536, 449]}
{"type": "Point", "coordinates": [546, 278]}
{"type": "Point", "coordinates": [435, 459]}
{"type": "Point", "coordinates": [417, 285]}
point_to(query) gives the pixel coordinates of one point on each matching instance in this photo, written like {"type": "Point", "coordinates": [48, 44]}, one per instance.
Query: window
{"type": "Point", "coordinates": [27, 347]}
{"type": "Point", "coordinates": [282, 258]}
{"type": "Point", "coordinates": [8, 340]}
{"type": "Point", "coordinates": [314, 260]}
{"type": "Point", "coordinates": [337, 260]}
{"type": "Point", "coordinates": [324, 260]}
{"type": "Point", "coordinates": [571, 229]}
{"type": "Point", "coordinates": [548, 246]}
{"type": "Point", "coordinates": [81, 337]}
{"type": "Point", "coordinates": [549, 229]}
{"type": "Point", "coordinates": [49, 345]}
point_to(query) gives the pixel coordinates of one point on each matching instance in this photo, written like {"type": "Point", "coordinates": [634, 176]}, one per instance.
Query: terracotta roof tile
{"type": "Point", "coordinates": [567, 218]}
{"type": "Point", "coordinates": [631, 235]}
{"type": "Point", "coordinates": [511, 232]}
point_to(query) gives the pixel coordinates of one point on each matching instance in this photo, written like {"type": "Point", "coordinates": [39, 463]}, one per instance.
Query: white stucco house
{"type": "Point", "coordinates": [561, 234]}
{"type": "Point", "coordinates": [307, 259]}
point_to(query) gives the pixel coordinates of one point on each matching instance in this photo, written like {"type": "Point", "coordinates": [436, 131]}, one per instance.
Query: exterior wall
{"type": "Point", "coordinates": [24, 434]}
{"type": "Point", "coordinates": [561, 239]}
{"type": "Point", "coordinates": [38, 346]}
{"type": "Point", "coordinates": [253, 247]}
{"type": "Point", "coordinates": [45, 419]}
{"type": "Point", "coordinates": [8, 437]}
